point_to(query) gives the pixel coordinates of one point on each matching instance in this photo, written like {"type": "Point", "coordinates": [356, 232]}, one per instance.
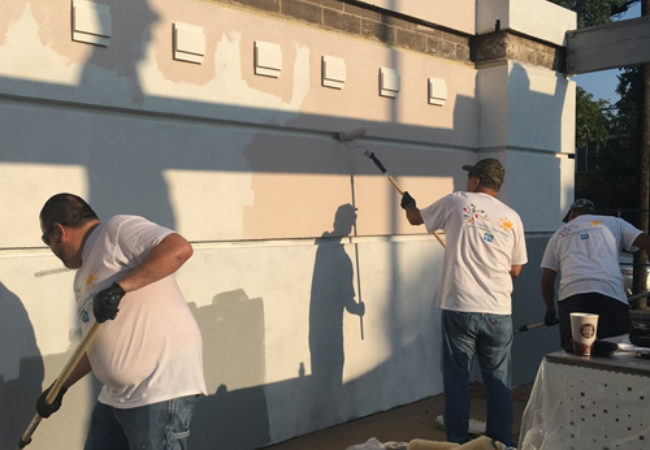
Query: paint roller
{"type": "Point", "coordinates": [480, 443]}
{"type": "Point", "coordinates": [355, 133]}
{"type": "Point", "coordinates": [421, 444]}
{"type": "Point", "coordinates": [350, 135]}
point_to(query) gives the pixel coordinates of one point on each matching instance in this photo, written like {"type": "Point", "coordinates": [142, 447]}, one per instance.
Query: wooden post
{"type": "Point", "coordinates": [640, 259]}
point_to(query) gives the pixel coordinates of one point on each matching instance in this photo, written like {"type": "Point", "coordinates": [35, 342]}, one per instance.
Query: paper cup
{"type": "Point", "coordinates": [583, 331]}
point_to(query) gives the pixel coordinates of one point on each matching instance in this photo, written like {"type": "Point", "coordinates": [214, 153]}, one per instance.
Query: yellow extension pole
{"type": "Point", "coordinates": [401, 192]}
{"type": "Point", "coordinates": [65, 373]}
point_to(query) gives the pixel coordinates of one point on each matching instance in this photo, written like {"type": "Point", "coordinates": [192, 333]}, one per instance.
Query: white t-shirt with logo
{"type": "Point", "coordinates": [485, 238]}
{"type": "Point", "coordinates": [585, 251]}
{"type": "Point", "coordinates": [152, 351]}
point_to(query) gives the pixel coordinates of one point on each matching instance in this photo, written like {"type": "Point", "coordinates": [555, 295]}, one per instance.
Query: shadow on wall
{"type": "Point", "coordinates": [127, 50]}
{"type": "Point", "coordinates": [234, 416]}
{"type": "Point", "coordinates": [21, 369]}
{"type": "Point", "coordinates": [332, 293]}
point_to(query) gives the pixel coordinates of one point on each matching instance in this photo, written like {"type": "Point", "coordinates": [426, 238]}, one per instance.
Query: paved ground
{"type": "Point", "coordinates": [417, 420]}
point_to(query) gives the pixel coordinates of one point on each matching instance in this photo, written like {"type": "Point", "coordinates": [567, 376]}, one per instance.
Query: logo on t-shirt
{"type": "Point", "coordinates": [471, 213]}
{"type": "Point", "coordinates": [505, 224]}
{"type": "Point", "coordinates": [91, 278]}
{"type": "Point", "coordinates": [487, 237]}
{"type": "Point", "coordinates": [566, 231]}
{"type": "Point", "coordinates": [84, 317]}
{"type": "Point", "coordinates": [584, 236]}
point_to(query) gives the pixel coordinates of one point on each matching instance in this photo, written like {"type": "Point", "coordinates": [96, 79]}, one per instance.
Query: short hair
{"type": "Point", "coordinates": [67, 209]}
{"type": "Point", "coordinates": [485, 181]}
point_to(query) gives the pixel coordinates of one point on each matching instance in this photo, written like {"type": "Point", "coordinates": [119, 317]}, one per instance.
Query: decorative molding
{"type": "Point", "coordinates": [189, 43]}
{"type": "Point", "coordinates": [389, 82]}
{"type": "Point", "coordinates": [91, 23]}
{"type": "Point", "coordinates": [268, 59]}
{"type": "Point", "coordinates": [333, 72]}
{"type": "Point", "coordinates": [437, 91]}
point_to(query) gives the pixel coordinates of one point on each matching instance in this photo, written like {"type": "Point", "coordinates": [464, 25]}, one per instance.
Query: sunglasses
{"type": "Point", "coordinates": [46, 236]}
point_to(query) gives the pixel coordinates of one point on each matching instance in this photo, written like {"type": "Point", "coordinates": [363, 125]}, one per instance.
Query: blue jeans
{"type": "Point", "coordinates": [160, 426]}
{"type": "Point", "coordinates": [489, 336]}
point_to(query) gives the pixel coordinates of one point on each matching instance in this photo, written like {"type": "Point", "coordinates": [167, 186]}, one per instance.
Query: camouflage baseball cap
{"type": "Point", "coordinates": [488, 168]}
{"type": "Point", "coordinates": [582, 204]}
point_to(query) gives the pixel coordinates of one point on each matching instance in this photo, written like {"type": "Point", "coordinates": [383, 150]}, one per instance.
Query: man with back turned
{"type": "Point", "coordinates": [585, 251]}
{"type": "Point", "coordinates": [485, 250]}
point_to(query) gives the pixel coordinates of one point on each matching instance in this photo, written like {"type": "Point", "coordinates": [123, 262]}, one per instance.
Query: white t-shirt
{"type": "Point", "coordinates": [152, 351]}
{"type": "Point", "coordinates": [586, 251]}
{"type": "Point", "coordinates": [485, 238]}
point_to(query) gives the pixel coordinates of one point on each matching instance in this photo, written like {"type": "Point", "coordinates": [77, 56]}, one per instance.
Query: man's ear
{"type": "Point", "coordinates": [60, 232]}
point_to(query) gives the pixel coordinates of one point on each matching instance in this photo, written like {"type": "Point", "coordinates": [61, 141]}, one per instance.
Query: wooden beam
{"type": "Point", "coordinates": [618, 44]}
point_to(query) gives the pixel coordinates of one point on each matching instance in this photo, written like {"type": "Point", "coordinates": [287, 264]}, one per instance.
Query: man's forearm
{"type": "Point", "coordinates": [413, 215]}
{"type": "Point", "coordinates": [163, 260]}
{"type": "Point", "coordinates": [80, 371]}
{"type": "Point", "coordinates": [548, 294]}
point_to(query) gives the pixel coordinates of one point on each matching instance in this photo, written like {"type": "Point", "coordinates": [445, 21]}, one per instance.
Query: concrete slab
{"type": "Point", "coordinates": [414, 421]}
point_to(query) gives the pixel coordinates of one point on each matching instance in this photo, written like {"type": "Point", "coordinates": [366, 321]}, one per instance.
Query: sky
{"type": "Point", "coordinates": [603, 84]}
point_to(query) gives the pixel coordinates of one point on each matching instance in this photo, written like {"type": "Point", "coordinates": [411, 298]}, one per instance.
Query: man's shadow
{"type": "Point", "coordinates": [21, 369]}
{"type": "Point", "coordinates": [332, 292]}
{"type": "Point", "coordinates": [235, 414]}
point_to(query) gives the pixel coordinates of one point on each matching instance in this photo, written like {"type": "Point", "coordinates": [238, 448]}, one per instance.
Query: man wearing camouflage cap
{"type": "Point", "coordinates": [585, 251]}
{"type": "Point", "coordinates": [486, 249]}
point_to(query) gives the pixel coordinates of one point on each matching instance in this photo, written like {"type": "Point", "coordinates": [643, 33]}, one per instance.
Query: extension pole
{"type": "Point", "coordinates": [383, 170]}
{"type": "Point", "coordinates": [532, 326]}
{"type": "Point", "coordinates": [58, 384]}
{"type": "Point", "coordinates": [348, 135]}
{"type": "Point", "coordinates": [356, 253]}
{"type": "Point", "coordinates": [633, 298]}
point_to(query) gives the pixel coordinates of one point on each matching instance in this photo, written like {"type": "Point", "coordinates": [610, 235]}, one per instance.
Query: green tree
{"type": "Point", "coordinates": [594, 12]}
{"type": "Point", "coordinates": [592, 120]}
{"type": "Point", "coordinates": [614, 184]}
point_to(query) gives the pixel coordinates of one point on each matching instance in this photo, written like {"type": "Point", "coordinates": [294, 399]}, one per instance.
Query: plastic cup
{"type": "Point", "coordinates": [583, 331]}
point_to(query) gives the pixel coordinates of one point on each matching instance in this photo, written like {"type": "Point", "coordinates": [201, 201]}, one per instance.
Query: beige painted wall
{"type": "Point", "coordinates": [254, 164]}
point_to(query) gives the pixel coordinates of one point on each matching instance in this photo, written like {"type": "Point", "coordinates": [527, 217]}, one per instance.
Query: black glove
{"type": "Point", "coordinates": [550, 319]}
{"type": "Point", "coordinates": [407, 200]}
{"type": "Point", "coordinates": [44, 409]}
{"type": "Point", "coordinates": [106, 301]}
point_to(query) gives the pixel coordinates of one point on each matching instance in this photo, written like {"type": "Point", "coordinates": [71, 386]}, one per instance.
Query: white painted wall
{"type": "Point", "coordinates": [536, 18]}
{"type": "Point", "coordinates": [527, 115]}
{"type": "Point", "coordinates": [247, 168]}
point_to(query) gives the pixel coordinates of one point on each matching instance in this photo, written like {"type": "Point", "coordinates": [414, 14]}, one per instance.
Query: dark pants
{"type": "Point", "coordinates": [489, 336]}
{"type": "Point", "coordinates": [613, 315]}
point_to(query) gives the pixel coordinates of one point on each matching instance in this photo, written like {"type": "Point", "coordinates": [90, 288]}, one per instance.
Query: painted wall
{"type": "Point", "coordinates": [460, 17]}
{"type": "Point", "coordinates": [524, 117]}
{"type": "Point", "coordinates": [247, 168]}
{"type": "Point", "coordinates": [536, 18]}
